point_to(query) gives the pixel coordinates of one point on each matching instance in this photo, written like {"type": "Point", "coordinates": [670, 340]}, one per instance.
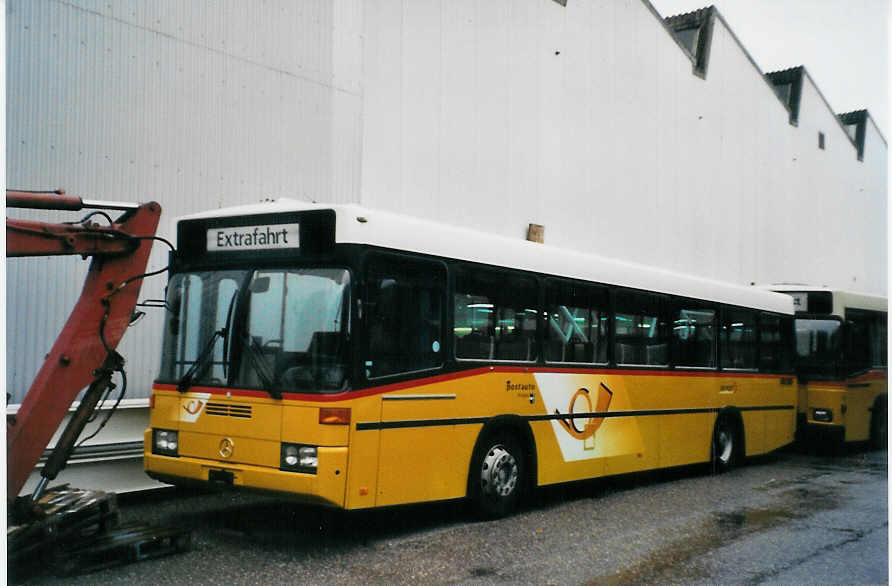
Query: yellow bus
{"type": "Point", "coordinates": [841, 346]}
{"type": "Point", "coordinates": [356, 358]}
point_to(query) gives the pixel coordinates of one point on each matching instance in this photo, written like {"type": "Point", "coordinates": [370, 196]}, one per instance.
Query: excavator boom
{"type": "Point", "coordinates": [86, 346]}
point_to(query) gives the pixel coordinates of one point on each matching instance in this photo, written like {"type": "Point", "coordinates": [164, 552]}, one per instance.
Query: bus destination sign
{"type": "Point", "coordinates": [265, 237]}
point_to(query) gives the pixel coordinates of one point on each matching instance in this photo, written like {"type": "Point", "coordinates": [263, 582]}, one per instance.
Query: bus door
{"type": "Point", "coordinates": [403, 322]}
{"type": "Point", "coordinates": [865, 353]}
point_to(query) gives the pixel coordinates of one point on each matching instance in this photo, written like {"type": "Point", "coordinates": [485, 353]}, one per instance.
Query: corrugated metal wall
{"type": "Point", "coordinates": [490, 114]}
{"type": "Point", "coordinates": [194, 104]}
{"type": "Point", "coordinates": [588, 119]}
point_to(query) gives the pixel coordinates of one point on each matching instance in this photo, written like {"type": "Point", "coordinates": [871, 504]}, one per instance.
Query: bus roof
{"type": "Point", "coordinates": [359, 225]}
{"type": "Point", "coordinates": [841, 299]}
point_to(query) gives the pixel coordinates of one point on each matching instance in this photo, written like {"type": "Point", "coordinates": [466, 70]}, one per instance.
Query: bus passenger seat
{"type": "Point", "coordinates": [477, 344]}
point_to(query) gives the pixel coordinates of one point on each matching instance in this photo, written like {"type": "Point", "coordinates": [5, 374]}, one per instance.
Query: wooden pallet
{"type": "Point", "coordinates": [72, 531]}
{"type": "Point", "coordinates": [62, 515]}
{"type": "Point", "coordinates": [122, 545]}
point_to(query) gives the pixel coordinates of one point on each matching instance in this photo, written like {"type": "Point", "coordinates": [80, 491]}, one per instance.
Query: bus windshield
{"type": "Point", "coordinates": [272, 329]}
{"type": "Point", "coordinates": [819, 345]}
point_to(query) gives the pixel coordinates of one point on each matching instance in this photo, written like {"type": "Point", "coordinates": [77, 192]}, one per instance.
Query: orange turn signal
{"type": "Point", "coordinates": [334, 416]}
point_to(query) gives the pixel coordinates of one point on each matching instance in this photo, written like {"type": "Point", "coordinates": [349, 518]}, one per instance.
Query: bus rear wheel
{"type": "Point", "coordinates": [497, 475]}
{"type": "Point", "coordinates": [725, 445]}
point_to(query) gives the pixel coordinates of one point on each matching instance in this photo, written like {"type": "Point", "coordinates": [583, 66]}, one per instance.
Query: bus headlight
{"type": "Point", "coordinates": [289, 456]}
{"type": "Point", "coordinates": [165, 442]}
{"type": "Point", "coordinates": [299, 458]}
{"type": "Point", "coordinates": [308, 458]}
{"type": "Point", "coordinates": [825, 415]}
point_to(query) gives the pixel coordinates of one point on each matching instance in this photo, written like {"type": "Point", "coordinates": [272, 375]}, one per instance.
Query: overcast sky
{"type": "Point", "coordinates": [842, 43]}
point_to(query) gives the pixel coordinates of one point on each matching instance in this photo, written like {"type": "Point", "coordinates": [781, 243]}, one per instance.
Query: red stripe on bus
{"type": "Point", "coordinates": [336, 396]}
{"type": "Point", "coordinates": [871, 375]}
{"type": "Point", "coordinates": [409, 384]}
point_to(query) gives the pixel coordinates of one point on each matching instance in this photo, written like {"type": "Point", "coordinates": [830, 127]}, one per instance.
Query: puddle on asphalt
{"type": "Point", "coordinates": [672, 562]}
{"type": "Point", "coordinates": [754, 520]}
{"type": "Point", "coordinates": [482, 572]}
{"type": "Point", "coordinates": [875, 463]}
{"type": "Point", "coordinates": [774, 484]}
{"type": "Point", "coordinates": [865, 467]}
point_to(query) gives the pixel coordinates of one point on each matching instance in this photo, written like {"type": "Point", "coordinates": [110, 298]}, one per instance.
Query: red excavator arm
{"type": "Point", "coordinates": [84, 353]}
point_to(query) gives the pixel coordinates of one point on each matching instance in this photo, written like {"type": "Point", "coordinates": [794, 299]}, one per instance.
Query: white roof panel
{"type": "Point", "coordinates": [359, 225]}
{"type": "Point", "coordinates": [841, 299]}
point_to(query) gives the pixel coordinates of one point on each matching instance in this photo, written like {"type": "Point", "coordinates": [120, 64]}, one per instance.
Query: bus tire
{"type": "Point", "coordinates": [726, 444]}
{"type": "Point", "coordinates": [879, 425]}
{"type": "Point", "coordinates": [497, 476]}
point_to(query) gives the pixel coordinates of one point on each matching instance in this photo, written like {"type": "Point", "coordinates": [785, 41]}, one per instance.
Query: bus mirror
{"type": "Point", "coordinates": [174, 307]}
{"type": "Point", "coordinates": [260, 285]}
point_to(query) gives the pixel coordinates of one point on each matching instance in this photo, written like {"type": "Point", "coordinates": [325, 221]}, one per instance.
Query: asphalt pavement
{"type": "Point", "coordinates": [788, 518]}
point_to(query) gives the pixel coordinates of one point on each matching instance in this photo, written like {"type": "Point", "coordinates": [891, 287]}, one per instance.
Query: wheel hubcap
{"type": "Point", "coordinates": [725, 446]}
{"type": "Point", "coordinates": [499, 472]}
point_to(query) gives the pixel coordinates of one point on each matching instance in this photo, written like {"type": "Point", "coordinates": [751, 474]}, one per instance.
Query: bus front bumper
{"type": "Point", "coordinates": [327, 486]}
{"type": "Point", "coordinates": [824, 433]}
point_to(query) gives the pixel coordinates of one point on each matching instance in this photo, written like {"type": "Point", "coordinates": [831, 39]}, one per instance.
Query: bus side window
{"type": "Point", "coordinates": [403, 317]}
{"type": "Point", "coordinates": [474, 328]}
{"type": "Point", "coordinates": [868, 337]}
{"type": "Point", "coordinates": [641, 329]}
{"type": "Point", "coordinates": [738, 339]}
{"type": "Point", "coordinates": [775, 342]}
{"type": "Point", "coordinates": [495, 316]}
{"type": "Point", "coordinates": [693, 337]}
{"type": "Point", "coordinates": [787, 343]}
{"type": "Point", "coordinates": [575, 323]}
{"type": "Point", "coordinates": [881, 346]}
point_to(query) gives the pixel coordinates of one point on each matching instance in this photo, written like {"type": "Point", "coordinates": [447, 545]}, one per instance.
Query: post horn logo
{"type": "Point", "coordinates": [226, 447]}
{"type": "Point", "coordinates": [193, 406]}
{"type": "Point", "coordinates": [587, 433]}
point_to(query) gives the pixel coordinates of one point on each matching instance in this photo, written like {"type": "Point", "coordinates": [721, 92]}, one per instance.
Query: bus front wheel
{"type": "Point", "coordinates": [498, 470]}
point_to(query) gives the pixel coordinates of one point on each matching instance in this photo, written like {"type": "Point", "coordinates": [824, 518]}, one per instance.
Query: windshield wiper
{"type": "Point", "coordinates": [201, 362]}
{"type": "Point", "coordinates": [260, 367]}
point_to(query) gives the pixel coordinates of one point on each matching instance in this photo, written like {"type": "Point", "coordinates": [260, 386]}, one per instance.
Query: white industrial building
{"type": "Point", "coordinates": [622, 133]}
